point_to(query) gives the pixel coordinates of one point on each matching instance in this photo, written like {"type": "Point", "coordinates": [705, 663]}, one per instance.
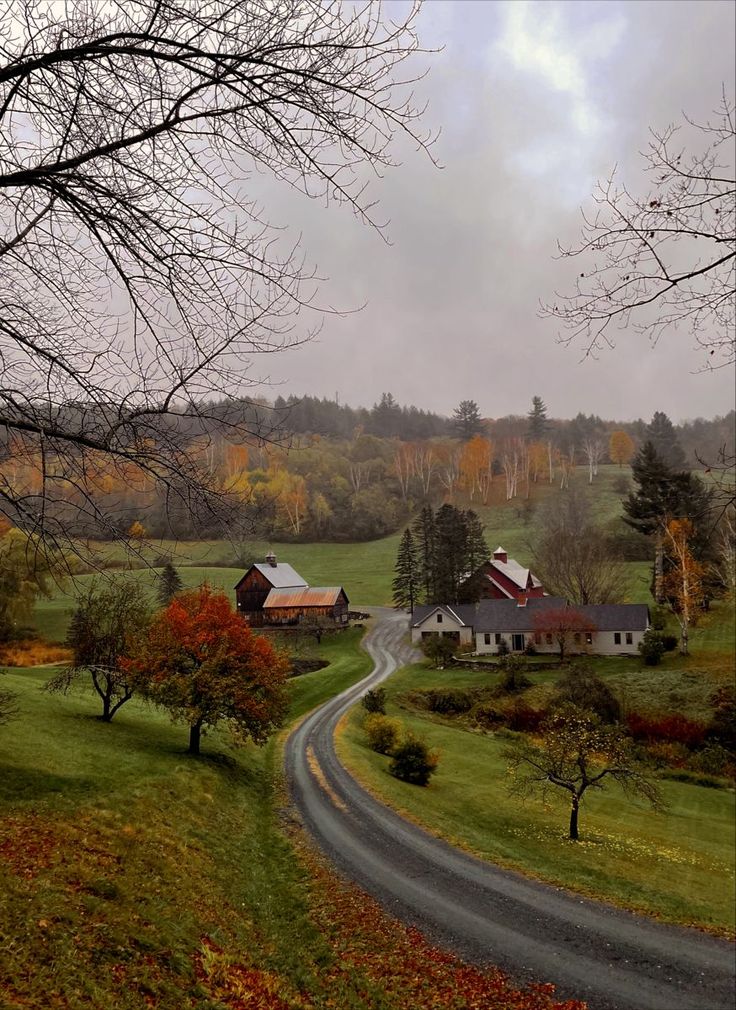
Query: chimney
{"type": "Point", "coordinates": [271, 559]}
{"type": "Point", "coordinates": [500, 555]}
{"type": "Point", "coordinates": [521, 601]}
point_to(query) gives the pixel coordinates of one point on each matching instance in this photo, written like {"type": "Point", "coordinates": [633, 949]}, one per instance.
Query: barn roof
{"type": "Point", "coordinates": [281, 575]}
{"type": "Point", "coordinates": [317, 596]}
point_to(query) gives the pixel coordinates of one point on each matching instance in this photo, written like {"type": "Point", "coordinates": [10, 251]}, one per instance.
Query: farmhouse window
{"type": "Point", "coordinates": [548, 638]}
{"type": "Point", "coordinates": [498, 639]}
{"type": "Point", "coordinates": [487, 638]}
{"type": "Point", "coordinates": [537, 638]}
{"type": "Point", "coordinates": [629, 638]}
{"type": "Point", "coordinates": [439, 618]}
{"type": "Point", "coordinates": [588, 638]}
{"type": "Point", "coordinates": [576, 638]}
{"type": "Point", "coordinates": [617, 638]}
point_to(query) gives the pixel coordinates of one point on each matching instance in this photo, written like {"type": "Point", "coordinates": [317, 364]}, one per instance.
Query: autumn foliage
{"type": "Point", "coordinates": [202, 662]}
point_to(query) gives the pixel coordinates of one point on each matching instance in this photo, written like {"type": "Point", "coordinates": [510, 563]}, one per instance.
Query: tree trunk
{"type": "Point", "coordinates": [195, 735]}
{"type": "Point", "coordinates": [574, 818]}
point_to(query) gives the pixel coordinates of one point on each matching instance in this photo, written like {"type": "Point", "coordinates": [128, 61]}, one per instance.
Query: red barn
{"type": "Point", "coordinates": [505, 579]}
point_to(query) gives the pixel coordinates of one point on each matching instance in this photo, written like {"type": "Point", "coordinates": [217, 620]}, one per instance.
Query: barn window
{"type": "Point", "coordinates": [629, 638]}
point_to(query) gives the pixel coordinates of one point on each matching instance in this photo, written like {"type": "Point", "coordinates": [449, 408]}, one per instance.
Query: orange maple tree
{"type": "Point", "coordinates": [201, 662]}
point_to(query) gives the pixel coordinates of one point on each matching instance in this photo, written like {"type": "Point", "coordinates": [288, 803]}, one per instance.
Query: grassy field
{"type": "Point", "coordinates": [364, 569]}
{"type": "Point", "coordinates": [132, 875]}
{"type": "Point", "coordinates": [678, 865]}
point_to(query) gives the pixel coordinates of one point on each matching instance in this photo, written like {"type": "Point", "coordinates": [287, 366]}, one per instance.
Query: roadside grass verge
{"type": "Point", "coordinates": [677, 865]}
{"type": "Point", "coordinates": [132, 875]}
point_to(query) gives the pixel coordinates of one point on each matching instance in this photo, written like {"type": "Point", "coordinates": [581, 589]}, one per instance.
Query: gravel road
{"type": "Point", "coordinates": [536, 932]}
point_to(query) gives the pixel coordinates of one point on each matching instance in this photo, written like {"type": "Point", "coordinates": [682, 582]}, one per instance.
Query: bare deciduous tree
{"type": "Point", "coordinates": [667, 257]}
{"type": "Point", "coordinates": [572, 556]}
{"type": "Point", "coordinates": [138, 274]}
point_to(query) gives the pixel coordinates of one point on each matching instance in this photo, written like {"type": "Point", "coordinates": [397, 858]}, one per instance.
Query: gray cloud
{"type": "Point", "coordinates": [535, 101]}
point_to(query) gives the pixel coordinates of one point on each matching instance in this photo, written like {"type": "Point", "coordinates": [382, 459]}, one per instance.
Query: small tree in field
{"type": "Point", "coordinates": [439, 650]}
{"type": "Point", "coordinates": [576, 753]}
{"type": "Point", "coordinates": [202, 663]}
{"type": "Point", "coordinates": [563, 624]}
{"type": "Point", "coordinates": [169, 584]}
{"type": "Point", "coordinates": [104, 630]}
{"type": "Point", "coordinates": [621, 447]}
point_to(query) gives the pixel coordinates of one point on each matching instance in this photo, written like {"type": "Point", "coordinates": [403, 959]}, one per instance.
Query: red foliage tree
{"type": "Point", "coordinates": [202, 662]}
{"type": "Point", "coordinates": [563, 624]}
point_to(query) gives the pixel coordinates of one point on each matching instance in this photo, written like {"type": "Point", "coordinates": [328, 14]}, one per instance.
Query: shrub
{"type": "Point", "coordinates": [667, 754]}
{"type": "Point", "coordinates": [674, 728]}
{"type": "Point", "coordinates": [383, 733]}
{"type": "Point", "coordinates": [523, 718]}
{"type": "Point", "coordinates": [375, 700]}
{"type": "Point", "coordinates": [713, 759]}
{"type": "Point", "coordinates": [652, 647]}
{"type": "Point", "coordinates": [513, 678]}
{"type": "Point", "coordinates": [488, 716]}
{"type": "Point", "coordinates": [503, 648]}
{"type": "Point", "coordinates": [449, 701]}
{"type": "Point", "coordinates": [722, 726]}
{"type": "Point", "coordinates": [582, 687]}
{"type": "Point", "coordinates": [659, 618]}
{"type": "Point", "coordinates": [413, 761]}
{"type": "Point", "coordinates": [669, 642]}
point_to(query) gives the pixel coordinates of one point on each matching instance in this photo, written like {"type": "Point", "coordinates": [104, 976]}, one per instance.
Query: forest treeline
{"type": "Point", "coordinates": [317, 470]}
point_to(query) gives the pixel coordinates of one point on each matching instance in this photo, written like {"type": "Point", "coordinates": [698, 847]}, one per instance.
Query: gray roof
{"type": "Point", "coordinates": [462, 612]}
{"type": "Point", "coordinates": [281, 576]}
{"type": "Point", "coordinates": [507, 615]}
{"type": "Point", "coordinates": [618, 616]}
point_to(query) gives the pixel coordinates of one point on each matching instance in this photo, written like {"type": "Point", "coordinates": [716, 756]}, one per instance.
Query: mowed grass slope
{"type": "Point", "coordinates": [677, 865]}
{"type": "Point", "coordinates": [133, 876]}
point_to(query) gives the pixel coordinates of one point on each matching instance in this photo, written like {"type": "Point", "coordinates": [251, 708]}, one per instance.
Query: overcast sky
{"type": "Point", "coordinates": [535, 101]}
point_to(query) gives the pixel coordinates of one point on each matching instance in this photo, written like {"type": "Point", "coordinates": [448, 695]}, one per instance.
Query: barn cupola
{"type": "Point", "coordinates": [271, 559]}
{"type": "Point", "coordinates": [500, 555]}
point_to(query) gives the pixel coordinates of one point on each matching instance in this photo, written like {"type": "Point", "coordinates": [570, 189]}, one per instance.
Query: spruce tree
{"type": "Point", "coordinates": [466, 419]}
{"type": "Point", "coordinates": [476, 552]}
{"type": "Point", "coordinates": [450, 554]}
{"type": "Point", "coordinates": [169, 584]}
{"type": "Point", "coordinates": [424, 536]}
{"type": "Point", "coordinates": [661, 433]}
{"type": "Point", "coordinates": [538, 422]}
{"type": "Point", "coordinates": [405, 583]}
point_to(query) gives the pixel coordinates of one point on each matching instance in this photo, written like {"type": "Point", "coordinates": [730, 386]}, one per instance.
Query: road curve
{"type": "Point", "coordinates": [536, 932]}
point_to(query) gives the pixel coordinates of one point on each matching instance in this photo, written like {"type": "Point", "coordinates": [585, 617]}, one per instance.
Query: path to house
{"type": "Point", "coordinates": [488, 915]}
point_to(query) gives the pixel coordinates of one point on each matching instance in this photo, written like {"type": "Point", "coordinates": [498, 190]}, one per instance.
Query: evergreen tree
{"type": "Point", "coordinates": [425, 536]}
{"type": "Point", "coordinates": [466, 419]}
{"type": "Point", "coordinates": [169, 584]}
{"type": "Point", "coordinates": [405, 583]}
{"type": "Point", "coordinates": [538, 422]}
{"type": "Point", "coordinates": [476, 552]}
{"type": "Point", "coordinates": [450, 554]}
{"type": "Point", "coordinates": [661, 433]}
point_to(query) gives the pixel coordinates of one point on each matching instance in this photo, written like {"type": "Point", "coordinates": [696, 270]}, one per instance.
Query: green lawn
{"type": "Point", "coordinates": [133, 875]}
{"type": "Point", "coordinates": [678, 865]}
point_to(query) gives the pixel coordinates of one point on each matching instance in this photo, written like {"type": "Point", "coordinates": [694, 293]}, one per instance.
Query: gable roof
{"type": "Point", "coordinates": [317, 596]}
{"type": "Point", "coordinates": [281, 576]}
{"type": "Point", "coordinates": [507, 615]}
{"type": "Point", "coordinates": [463, 613]}
{"type": "Point", "coordinates": [514, 571]}
{"type": "Point", "coordinates": [617, 616]}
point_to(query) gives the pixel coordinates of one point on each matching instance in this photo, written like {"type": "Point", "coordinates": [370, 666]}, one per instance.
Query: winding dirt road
{"type": "Point", "coordinates": [536, 932]}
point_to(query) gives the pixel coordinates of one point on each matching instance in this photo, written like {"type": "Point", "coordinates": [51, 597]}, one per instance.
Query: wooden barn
{"type": "Point", "coordinates": [273, 594]}
{"type": "Point", "coordinates": [298, 606]}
